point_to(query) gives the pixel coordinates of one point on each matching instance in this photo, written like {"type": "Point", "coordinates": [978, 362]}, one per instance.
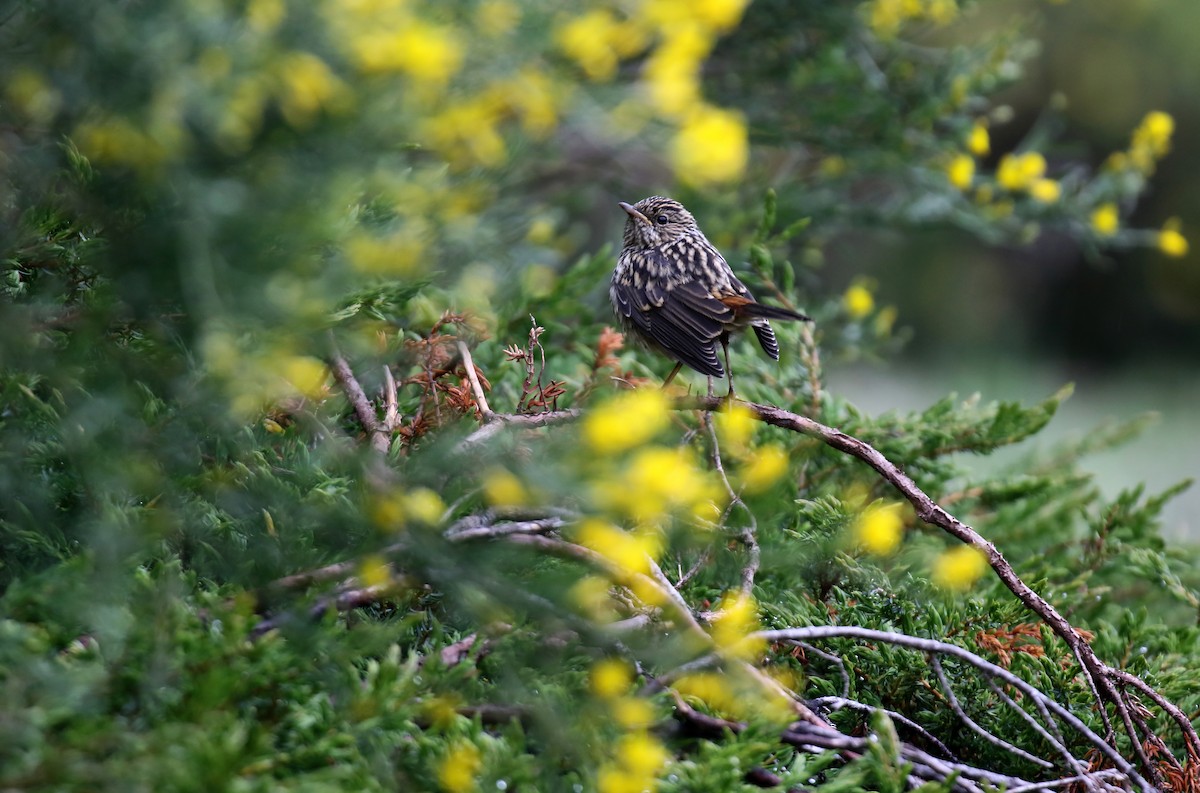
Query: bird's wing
{"type": "Point", "coordinates": [681, 318]}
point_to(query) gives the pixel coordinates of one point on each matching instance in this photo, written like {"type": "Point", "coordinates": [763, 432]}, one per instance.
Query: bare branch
{"type": "Point", "coordinates": [485, 410]}
{"type": "Point", "coordinates": [363, 409]}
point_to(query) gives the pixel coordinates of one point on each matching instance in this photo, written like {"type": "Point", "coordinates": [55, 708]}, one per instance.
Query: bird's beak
{"type": "Point", "coordinates": [633, 213]}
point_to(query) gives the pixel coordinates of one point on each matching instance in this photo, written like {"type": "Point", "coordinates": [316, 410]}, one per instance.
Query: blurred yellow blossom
{"type": "Point", "coordinates": [118, 140]}
{"type": "Point", "coordinates": [633, 713]}
{"type": "Point", "coordinates": [713, 690]}
{"type": "Point", "coordinates": [858, 300]}
{"type": "Point", "coordinates": [961, 171]}
{"type": "Point", "coordinates": [628, 551]}
{"type": "Point", "coordinates": [387, 511]}
{"type": "Point", "coordinates": [305, 373]}
{"type": "Point", "coordinates": [398, 254]}
{"type": "Point", "coordinates": [1171, 241]}
{"type": "Point", "coordinates": [959, 568]}
{"type": "Point", "coordinates": [33, 95]}
{"type": "Point", "coordinates": [672, 72]}
{"type": "Point", "coordinates": [1105, 219]}
{"type": "Point", "coordinates": [424, 505]}
{"type": "Point", "coordinates": [735, 426]}
{"type": "Point", "coordinates": [711, 146]}
{"type": "Point", "coordinates": [765, 466]}
{"type": "Point", "coordinates": [535, 100]}
{"type": "Point", "coordinates": [591, 596]}
{"type": "Point", "coordinates": [641, 753]}
{"type": "Point", "coordinates": [880, 528]}
{"type": "Point", "coordinates": [654, 482]}
{"type": "Point", "coordinates": [978, 141]}
{"type": "Point", "coordinates": [467, 132]}
{"type": "Point", "coordinates": [374, 571]}
{"type": "Point", "coordinates": [1046, 191]}
{"type": "Point", "coordinates": [428, 53]}
{"type": "Point", "coordinates": [308, 86]}
{"type": "Point", "coordinates": [501, 488]}
{"type": "Point", "coordinates": [627, 420]}
{"type": "Point", "coordinates": [587, 40]}
{"type": "Point", "coordinates": [1151, 140]}
{"type": "Point", "coordinates": [736, 619]}
{"type": "Point", "coordinates": [721, 15]}
{"type": "Point", "coordinates": [457, 771]}
{"type": "Point", "coordinates": [610, 678]}
{"type": "Point", "coordinates": [1017, 172]}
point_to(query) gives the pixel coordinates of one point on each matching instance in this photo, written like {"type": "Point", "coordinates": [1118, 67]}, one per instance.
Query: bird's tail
{"type": "Point", "coordinates": [772, 312]}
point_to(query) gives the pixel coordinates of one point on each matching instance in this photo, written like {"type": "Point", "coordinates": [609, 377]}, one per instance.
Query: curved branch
{"type": "Point", "coordinates": [1100, 675]}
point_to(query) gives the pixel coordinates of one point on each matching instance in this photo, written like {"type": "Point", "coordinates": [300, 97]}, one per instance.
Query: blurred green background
{"type": "Point", "coordinates": [1017, 322]}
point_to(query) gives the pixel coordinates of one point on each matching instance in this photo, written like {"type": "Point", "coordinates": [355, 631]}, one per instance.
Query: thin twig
{"type": "Point", "coordinates": [989, 669]}
{"type": "Point", "coordinates": [501, 420]}
{"type": "Point", "coordinates": [363, 409]}
{"type": "Point", "coordinates": [485, 412]}
{"type": "Point", "coordinates": [748, 533]}
{"type": "Point", "coordinates": [978, 729]}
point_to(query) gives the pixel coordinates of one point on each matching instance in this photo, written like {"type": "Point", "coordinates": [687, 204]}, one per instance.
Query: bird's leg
{"type": "Point", "coordinates": [728, 369]}
{"type": "Point", "coordinates": [671, 376]}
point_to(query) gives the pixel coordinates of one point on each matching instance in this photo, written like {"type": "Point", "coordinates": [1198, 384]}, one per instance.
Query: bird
{"type": "Point", "coordinates": [676, 292]}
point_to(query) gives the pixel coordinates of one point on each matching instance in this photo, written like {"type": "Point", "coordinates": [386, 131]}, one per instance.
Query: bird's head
{"type": "Point", "coordinates": [655, 221]}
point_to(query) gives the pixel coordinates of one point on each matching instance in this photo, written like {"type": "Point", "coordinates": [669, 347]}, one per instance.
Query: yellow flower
{"type": "Point", "coordinates": [33, 95]}
{"type": "Point", "coordinates": [308, 87]}
{"type": "Point", "coordinates": [306, 374]}
{"type": "Point", "coordinates": [735, 427]}
{"type": "Point", "coordinates": [961, 171]}
{"type": "Point", "coordinates": [430, 54]}
{"type": "Point", "coordinates": [501, 488]}
{"type": "Point", "coordinates": [736, 619]}
{"type": "Point", "coordinates": [467, 133]}
{"type": "Point", "coordinates": [766, 466]}
{"type": "Point", "coordinates": [374, 571]}
{"type": "Point", "coordinates": [672, 72]}
{"type": "Point", "coordinates": [959, 568]}
{"type": "Point", "coordinates": [610, 678]}
{"type": "Point", "coordinates": [627, 420]}
{"type": "Point", "coordinates": [712, 689]}
{"type": "Point", "coordinates": [720, 15]}
{"type": "Point", "coordinates": [590, 595]}
{"type": "Point", "coordinates": [880, 529]}
{"type": "Point", "coordinates": [711, 146]}
{"type": "Point", "coordinates": [628, 551]}
{"type": "Point", "coordinates": [1046, 191]}
{"type": "Point", "coordinates": [633, 713]}
{"type": "Point", "coordinates": [424, 505]}
{"type": "Point", "coordinates": [614, 779]}
{"type": "Point", "coordinates": [1171, 241]}
{"type": "Point", "coordinates": [387, 512]}
{"type": "Point", "coordinates": [858, 299]}
{"type": "Point", "coordinates": [586, 39]}
{"type": "Point", "coordinates": [1017, 172]}
{"type": "Point", "coordinates": [641, 753]}
{"type": "Point", "coordinates": [978, 141]}
{"type": "Point", "coordinates": [398, 254]}
{"type": "Point", "coordinates": [1105, 220]}
{"type": "Point", "coordinates": [654, 482]}
{"type": "Point", "coordinates": [457, 771]}
{"type": "Point", "coordinates": [1153, 135]}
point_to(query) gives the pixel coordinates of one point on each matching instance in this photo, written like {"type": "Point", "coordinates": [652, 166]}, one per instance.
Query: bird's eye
{"type": "Point", "coordinates": [661, 219]}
